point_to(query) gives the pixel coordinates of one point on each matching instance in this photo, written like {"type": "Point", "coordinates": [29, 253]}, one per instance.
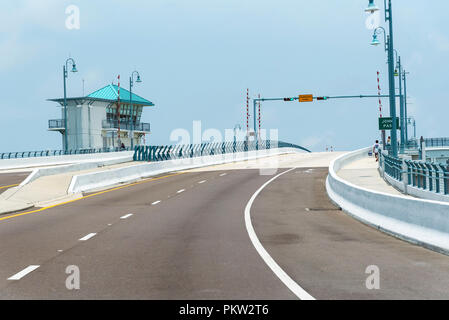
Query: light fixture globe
{"type": "Point", "coordinates": [375, 41]}
{"type": "Point", "coordinates": [371, 7]}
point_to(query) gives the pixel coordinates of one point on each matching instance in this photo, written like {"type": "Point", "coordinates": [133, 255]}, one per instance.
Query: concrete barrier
{"type": "Point", "coordinates": [96, 180]}
{"type": "Point", "coordinates": [92, 164]}
{"type": "Point", "coordinates": [20, 163]}
{"type": "Point", "coordinates": [419, 221]}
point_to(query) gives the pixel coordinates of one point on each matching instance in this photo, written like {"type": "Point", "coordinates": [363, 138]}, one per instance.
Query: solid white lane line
{"type": "Point", "coordinates": [23, 273]}
{"type": "Point", "coordinates": [155, 202]}
{"type": "Point", "coordinates": [182, 190]}
{"type": "Point", "coordinates": [284, 277]}
{"type": "Point", "coordinates": [223, 174]}
{"type": "Point", "coordinates": [202, 181]}
{"type": "Point", "coordinates": [126, 216]}
{"type": "Point", "coordinates": [87, 237]}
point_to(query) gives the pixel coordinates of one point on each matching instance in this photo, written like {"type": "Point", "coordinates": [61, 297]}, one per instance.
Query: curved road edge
{"type": "Point", "coordinates": [399, 216]}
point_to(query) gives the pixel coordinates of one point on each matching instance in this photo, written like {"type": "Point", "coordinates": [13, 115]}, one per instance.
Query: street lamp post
{"type": "Point", "coordinates": [409, 121]}
{"type": "Point", "coordinates": [389, 48]}
{"type": "Point", "coordinates": [131, 83]}
{"type": "Point", "coordinates": [404, 78]}
{"type": "Point", "coordinates": [401, 103]}
{"type": "Point", "coordinates": [237, 126]}
{"type": "Point", "coordinates": [65, 75]}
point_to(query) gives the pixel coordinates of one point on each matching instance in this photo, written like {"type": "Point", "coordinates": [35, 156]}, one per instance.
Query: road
{"type": "Point", "coordinates": [183, 236]}
{"type": "Point", "coordinates": [9, 180]}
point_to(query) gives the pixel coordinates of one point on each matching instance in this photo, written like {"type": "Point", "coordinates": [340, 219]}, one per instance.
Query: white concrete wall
{"type": "Point", "coordinates": [65, 159]}
{"type": "Point", "coordinates": [95, 163]}
{"type": "Point", "coordinates": [94, 180]}
{"type": "Point", "coordinates": [85, 124]}
{"type": "Point", "coordinates": [420, 221]}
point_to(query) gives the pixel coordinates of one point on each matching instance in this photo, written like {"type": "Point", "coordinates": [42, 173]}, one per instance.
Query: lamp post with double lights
{"type": "Point", "coordinates": [389, 48]}
{"type": "Point", "coordinates": [65, 75]}
{"type": "Point", "coordinates": [398, 73]}
{"type": "Point", "coordinates": [131, 83]}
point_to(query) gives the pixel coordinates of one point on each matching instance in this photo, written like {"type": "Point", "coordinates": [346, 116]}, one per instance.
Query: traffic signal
{"type": "Point", "coordinates": [321, 98]}
{"type": "Point", "coordinates": [289, 99]}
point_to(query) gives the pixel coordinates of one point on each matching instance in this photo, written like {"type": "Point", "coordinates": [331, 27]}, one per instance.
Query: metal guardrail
{"type": "Point", "coordinates": [56, 124]}
{"type": "Point", "coordinates": [170, 152]}
{"type": "Point", "coordinates": [137, 126]}
{"type": "Point", "coordinates": [437, 142]}
{"type": "Point", "coordinates": [430, 142]}
{"type": "Point", "coordinates": [47, 153]}
{"type": "Point", "coordinates": [428, 176]}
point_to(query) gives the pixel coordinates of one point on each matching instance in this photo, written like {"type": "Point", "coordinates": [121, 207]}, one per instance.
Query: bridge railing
{"type": "Point", "coordinates": [48, 153]}
{"type": "Point", "coordinates": [171, 152]}
{"type": "Point", "coordinates": [423, 175]}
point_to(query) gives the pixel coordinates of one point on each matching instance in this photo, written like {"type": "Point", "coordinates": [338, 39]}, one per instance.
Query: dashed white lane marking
{"type": "Point", "coordinates": [202, 181]}
{"type": "Point", "coordinates": [126, 216]}
{"type": "Point", "coordinates": [284, 277]}
{"type": "Point", "coordinates": [155, 202]}
{"type": "Point", "coordinates": [87, 237]}
{"type": "Point", "coordinates": [223, 174]}
{"type": "Point", "coordinates": [23, 273]}
{"type": "Point", "coordinates": [182, 190]}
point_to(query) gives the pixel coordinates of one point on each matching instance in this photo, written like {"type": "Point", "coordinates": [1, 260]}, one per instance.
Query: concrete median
{"type": "Point", "coordinates": [420, 221]}
{"type": "Point", "coordinates": [7, 164]}
{"type": "Point", "coordinates": [85, 182]}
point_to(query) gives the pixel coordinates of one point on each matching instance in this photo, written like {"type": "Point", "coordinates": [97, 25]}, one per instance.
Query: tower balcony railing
{"type": "Point", "coordinates": [126, 125]}
{"type": "Point", "coordinates": [56, 124]}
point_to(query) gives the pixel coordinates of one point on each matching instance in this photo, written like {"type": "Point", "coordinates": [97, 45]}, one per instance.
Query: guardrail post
{"type": "Point", "coordinates": [430, 176]}
{"type": "Point", "coordinates": [404, 175]}
{"type": "Point", "coordinates": [445, 179]}
{"type": "Point", "coordinates": [437, 177]}
{"type": "Point", "coordinates": [382, 164]}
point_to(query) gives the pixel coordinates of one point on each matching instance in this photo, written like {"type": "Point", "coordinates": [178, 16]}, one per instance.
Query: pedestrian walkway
{"type": "Point", "coordinates": [364, 173]}
{"type": "Point", "coordinates": [46, 190]}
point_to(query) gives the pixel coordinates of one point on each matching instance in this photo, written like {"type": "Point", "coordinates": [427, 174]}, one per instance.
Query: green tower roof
{"type": "Point", "coordinates": [110, 92]}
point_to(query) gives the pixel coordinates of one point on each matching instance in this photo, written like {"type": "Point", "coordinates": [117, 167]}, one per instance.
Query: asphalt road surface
{"type": "Point", "coordinates": [8, 180]}
{"type": "Point", "coordinates": [183, 236]}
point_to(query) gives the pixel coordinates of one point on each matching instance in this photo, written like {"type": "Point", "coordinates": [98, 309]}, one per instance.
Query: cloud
{"type": "Point", "coordinates": [21, 20]}
{"type": "Point", "coordinates": [15, 52]}
{"type": "Point", "coordinates": [314, 141]}
{"type": "Point", "coordinates": [439, 41]}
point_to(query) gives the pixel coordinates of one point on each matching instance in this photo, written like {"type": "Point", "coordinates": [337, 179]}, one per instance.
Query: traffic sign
{"type": "Point", "coordinates": [387, 123]}
{"type": "Point", "coordinates": [306, 98]}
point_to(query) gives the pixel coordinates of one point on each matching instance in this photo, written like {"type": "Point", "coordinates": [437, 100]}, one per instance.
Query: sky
{"type": "Point", "coordinates": [196, 59]}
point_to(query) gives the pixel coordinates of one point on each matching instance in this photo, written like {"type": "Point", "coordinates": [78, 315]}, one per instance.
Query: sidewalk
{"type": "Point", "coordinates": [364, 173]}
{"type": "Point", "coordinates": [45, 191]}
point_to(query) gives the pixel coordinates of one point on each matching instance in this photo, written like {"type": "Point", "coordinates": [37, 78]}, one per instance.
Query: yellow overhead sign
{"type": "Point", "coordinates": [306, 98]}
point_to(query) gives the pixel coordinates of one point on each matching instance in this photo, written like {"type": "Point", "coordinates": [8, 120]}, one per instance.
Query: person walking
{"type": "Point", "coordinates": [376, 150]}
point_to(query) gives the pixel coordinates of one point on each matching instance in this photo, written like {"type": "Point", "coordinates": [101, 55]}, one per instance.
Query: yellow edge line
{"type": "Point", "coordinates": [12, 185]}
{"type": "Point", "coordinates": [90, 195]}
